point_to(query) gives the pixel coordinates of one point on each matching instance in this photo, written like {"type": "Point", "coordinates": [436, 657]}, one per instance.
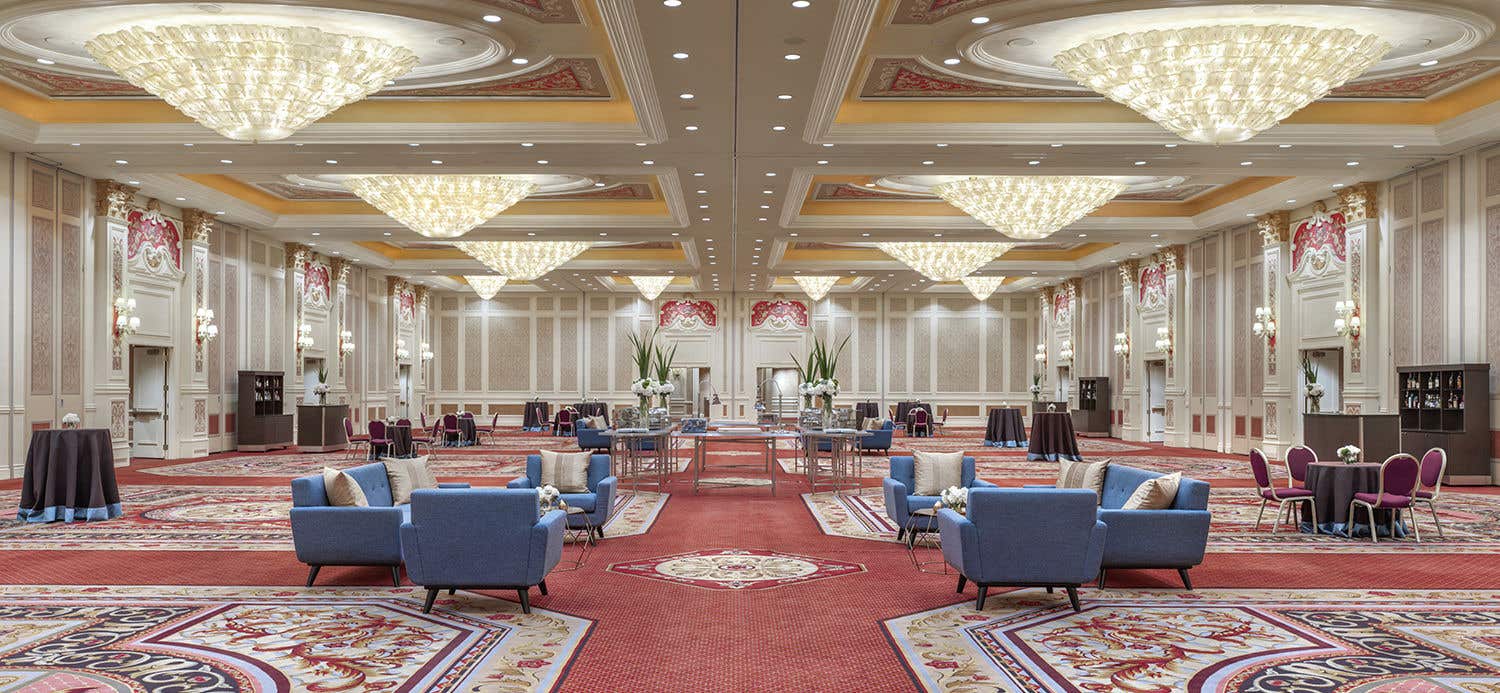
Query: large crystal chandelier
{"type": "Point", "coordinates": [651, 285]}
{"type": "Point", "coordinates": [439, 206]}
{"type": "Point", "coordinates": [523, 260]}
{"type": "Point", "coordinates": [1028, 207]}
{"type": "Point", "coordinates": [944, 262]}
{"type": "Point", "coordinates": [486, 285]}
{"type": "Point", "coordinates": [982, 287]}
{"type": "Point", "coordinates": [251, 81]}
{"type": "Point", "coordinates": [1224, 83]}
{"type": "Point", "coordinates": [816, 286]}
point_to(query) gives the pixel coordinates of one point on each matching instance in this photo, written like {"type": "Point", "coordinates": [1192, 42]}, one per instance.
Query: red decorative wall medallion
{"type": "Point", "coordinates": [778, 314]}
{"type": "Point", "coordinates": [153, 241]}
{"type": "Point", "coordinates": [688, 315]}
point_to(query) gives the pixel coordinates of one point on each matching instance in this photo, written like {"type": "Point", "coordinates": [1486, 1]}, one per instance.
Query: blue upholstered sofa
{"type": "Point", "coordinates": [1175, 537]}
{"type": "Point", "coordinates": [1024, 537]}
{"type": "Point", "coordinates": [591, 438]}
{"type": "Point", "coordinates": [596, 503]}
{"type": "Point", "coordinates": [484, 538]}
{"type": "Point", "coordinates": [879, 439]}
{"type": "Point", "coordinates": [898, 487]}
{"type": "Point", "coordinates": [326, 535]}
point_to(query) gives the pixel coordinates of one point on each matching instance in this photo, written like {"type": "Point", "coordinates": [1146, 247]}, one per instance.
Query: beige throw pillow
{"type": "Point", "coordinates": [1154, 494]}
{"type": "Point", "coordinates": [1083, 475]}
{"type": "Point", "coordinates": [936, 471]}
{"type": "Point", "coordinates": [597, 423]}
{"type": "Point", "coordinates": [342, 490]}
{"type": "Point", "coordinates": [874, 424]}
{"type": "Point", "coordinates": [567, 471]}
{"type": "Point", "coordinates": [407, 475]}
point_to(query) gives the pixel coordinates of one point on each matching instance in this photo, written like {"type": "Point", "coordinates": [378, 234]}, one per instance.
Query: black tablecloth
{"type": "Point", "coordinates": [593, 409]}
{"type": "Point", "coordinates": [1005, 428]}
{"type": "Point", "coordinates": [468, 432]}
{"type": "Point", "coordinates": [904, 408]}
{"type": "Point", "coordinates": [70, 475]}
{"type": "Point", "coordinates": [1333, 485]}
{"type": "Point", "coordinates": [400, 437]}
{"type": "Point", "coordinates": [536, 416]}
{"type": "Point", "coordinates": [1052, 437]}
{"type": "Point", "coordinates": [865, 410]}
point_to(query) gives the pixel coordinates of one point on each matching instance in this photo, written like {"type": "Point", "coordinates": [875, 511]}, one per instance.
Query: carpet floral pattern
{"type": "Point", "coordinates": [736, 569]}
{"type": "Point", "coordinates": [1222, 640]}
{"type": "Point", "coordinates": [466, 462]}
{"type": "Point", "coordinates": [1471, 524]}
{"type": "Point", "coordinates": [150, 638]}
{"type": "Point", "coordinates": [228, 518]}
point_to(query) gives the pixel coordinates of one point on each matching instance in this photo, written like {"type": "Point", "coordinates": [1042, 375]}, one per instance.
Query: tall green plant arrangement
{"type": "Point", "coordinates": [642, 349]}
{"type": "Point", "coordinates": [818, 375]}
{"type": "Point", "coordinates": [663, 364]}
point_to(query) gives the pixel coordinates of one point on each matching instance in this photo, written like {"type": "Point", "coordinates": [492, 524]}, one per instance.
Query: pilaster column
{"type": "Point", "coordinates": [422, 376]}
{"type": "Point", "coordinates": [1277, 397]}
{"type": "Point", "coordinates": [112, 204]}
{"type": "Point", "coordinates": [1043, 339]}
{"type": "Point", "coordinates": [1128, 391]}
{"type": "Point", "coordinates": [338, 317]}
{"type": "Point", "coordinates": [193, 437]}
{"type": "Point", "coordinates": [296, 255]}
{"type": "Point", "coordinates": [1171, 260]}
{"type": "Point", "coordinates": [1364, 382]}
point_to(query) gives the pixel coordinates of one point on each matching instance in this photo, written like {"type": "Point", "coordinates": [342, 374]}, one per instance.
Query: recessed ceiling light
{"type": "Point", "coordinates": [702, 192]}
{"type": "Point", "coordinates": [1246, 163]}
{"type": "Point", "coordinates": [1291, 202]}
{"type": "Point", "coordinates": [1284, 146]}
{"type": "Point", "coordinates": [317, 233]}
{"type": "Point", "coordinates": [519, 61]}
{"type": "Point", "coordinates": [1171, 146]}
{"type": "Point", "coordinates": [698, 173]}
{"type": "Point", "coordinates": [928, 162]}
{"type": "Point", "coordinates": [685, 96]}
{"type": "Point", "coordinates": [226, 161]}
{"type": "Point", "coordinates": [1033, 162]}
{"type": "Point", "coordinates": [133, 182]}
{"type": "Point", "coordinates": [603, 233]}
{"type": "Point", "coordinates": [951, 61]}
{"type": "Point", "coordinates": [674, 233]}
{"type": "Point", "coordinates": [121, 162]}
{"type": "Point", "coordinates": [543, 162]}
{"type": "Point", "coordinates": [648, 162]}
{"type": "Point", "coordinates": [1083, 235]}
{"type": "Point", "coordinates": [1249, 214]}
{"type": "Point", "coordinates": [784, 97]}
{"type": "Point", "coordinates": [1155, 235]}
{"type": "Point", "coordinates": [792, 56]}
{"type": "Point", "coordinates": [672, 3]}
{"type": "Point", "coordinates": [528, 144]}
{"type": "Point", "coordinates": [1140, 163]}
{"type": "Point", "coordinates": [761, 219]}
{"type": "Point", "coordinates": [219, 212]}
{"type": "Point", "coordinates": [491, 18]}
{"type": "Point", "coordinates": [680, 55]}
{"type": "Point", "coordinates": [765, 206]}
{"type": "Point", "coordinates": [702, 206]}
{"type": "Point", "coordinates": [778, 128]}
{"type": "Point", "coordinates": [330, 161]}
{"type": "Point", "coordinates": [1352, 163]}
{"type": "Point", "coordinates": [1428, 63]}
{"type": "Point", "coordinates": [599, 185]}
{"type": "Point", "coordinates": [531, 233]}
{"type": "Point", "coordinates": [75, 144]}
{"type": "Point", "coordinates": [770, 174]}
{"type": "Point", "coordinates": [691, 128]}
{"type": "Point", "coordinates": [182, 199]}
{"type": "Point", "coordinates": [1398, 146]}
{"type": "Point", "coordinates": [768, 192]}
{"type": "Point", "coordinates": [437, 161]}
{"type": "Point", "coordinates": [1337, 185]}
{"type": "Point", "coordinates": [979, 20]}
{"type": "Point", "coordinates": [387, 233]}
{"type": "Point", "coordinates": [187, 144]}
{"type": "Point", "coordinates": [828, 144]}
{"type": "Point", "coordinates": [822, 162]}
{"type": "Point", "coordinates": [414, 144]}
{"type": "Point", "coordinates": [640, 144]}
{"type": "Point", "coordinates": [792, 235]}
{"type": "Point", "coordinates": [705, 219]}
{"type": "Point", "coordinates": [799, 4]}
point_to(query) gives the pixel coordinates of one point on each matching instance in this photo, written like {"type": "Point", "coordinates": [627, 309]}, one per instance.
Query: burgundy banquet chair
{"type": "Point", "coordinates": [919, 423]}
{"type": "Point", "coordinates": [1399, 476]}
{"type": "Point", "coordinates": [1297, 459]}
{"type": "Point", "coordinates": [1268, 492]}
{"type": "Point", "coordinates": [378, 439]}
{"type": "Point", "coordinates": [450, 429]}
{"type": "Point", "coordinates": [355, 439]}
{"type": "Point", "coordinates": [1430, 483]}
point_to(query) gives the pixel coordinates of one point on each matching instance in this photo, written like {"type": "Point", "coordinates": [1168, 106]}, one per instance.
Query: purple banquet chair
{"type": "Point", "coordinates": [378, 439]}
{"type": "Point", "coordinates": [1430, 483]}
{"type": "Point", "coordinates": [1399, 476]}
{"type": "Point", "coordinates": [1268, 492]}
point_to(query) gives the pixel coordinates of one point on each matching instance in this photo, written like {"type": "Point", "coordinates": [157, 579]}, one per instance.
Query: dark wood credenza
{"type": "Point", "coordinates": [261, 419]}
{"type": "Point", "coordinates": [320, 427]}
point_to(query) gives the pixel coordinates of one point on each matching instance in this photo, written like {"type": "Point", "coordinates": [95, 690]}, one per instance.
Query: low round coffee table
{"type": "Point", "coordinates": [582, 538]}
{"type": "Point", "coordinates": [923, 541]}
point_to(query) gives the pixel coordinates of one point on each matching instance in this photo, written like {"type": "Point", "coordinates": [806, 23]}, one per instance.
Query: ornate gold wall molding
{"type": "Point", "coordinates": [112, 198]}
{"type": "Point", "coordinates": [196, 225]}
{"type": "Point", "coordinates": [1273, 227]}
{"type": "Point", "coordinates": [1358, 202]}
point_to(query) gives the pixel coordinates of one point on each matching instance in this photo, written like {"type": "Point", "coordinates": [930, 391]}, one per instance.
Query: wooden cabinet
{"type": "Point", "coordinates": [261, 416]}
{"type": "Point", "coordinates": [320, 427]}
{"type": "Point", "coordinates": [1448, 407]}
{"type": "Point", "coordinates": [1093, 413]}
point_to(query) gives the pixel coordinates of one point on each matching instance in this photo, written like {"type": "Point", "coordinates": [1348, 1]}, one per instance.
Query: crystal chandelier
{"type": "Point", "coordinates": [651, 285]}
{"type": "Point", "coordinates": [982, 287]}
{"type": "Point", "coordinates": [1224, 83]}
{"type": "Point", "coordinates": [486, 285]}
{"type": "Point", "coordinates": [440, 206]}
{"type": "Point", "coordinates": [523, 260]}
{"type": "Point", "coordinates": [816, 286]}
{"type": "Point", "coordinates": [944, 262]}
{"type": "Point", "coordinates": [251, 81]}
{"type": "Point", "coordinates": [1028, 207]}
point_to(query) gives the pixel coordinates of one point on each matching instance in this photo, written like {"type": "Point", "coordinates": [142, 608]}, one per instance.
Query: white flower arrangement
{"type": "Point", "coordinates": [320, 389]}
{"type": "Point", "coordinates": [1314, 390]}
{"type": "Point", "coordinates": [1349, 454]}
{"type": "Point", "coordinates": [548, 498]}
{"type": "Point", "coordinates": [955, 498]}
{"type": "Point", "coordinates": [647, 387]}
{"type": "Point", "coordinates": [71, 420]}
{"type": "Point", "coordinates": [828, 387]}
{"type": "Point", "coordinates": [1036, 389]}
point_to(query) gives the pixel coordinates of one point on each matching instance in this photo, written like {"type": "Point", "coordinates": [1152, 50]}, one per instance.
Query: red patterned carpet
{"type": "Point", "coordinates": [728, 590]}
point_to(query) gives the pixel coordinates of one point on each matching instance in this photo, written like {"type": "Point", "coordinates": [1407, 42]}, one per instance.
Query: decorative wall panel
{"type": "Point", "coordinates": [960, 350]}
{"type": "Point", "coordinates": [514, 345]}
{"type": "Point", "coordinates": [869, 352]}
{"type": "Point", "coordinates": [898, 349]}
{"type": "Point", "coordinates": [448, 338]}
{"type": "Point", "coordinates": [1431, 288]}
{"type": "Point", "coordinates": [921, 354]}
{"type": "Point", "coordinates": [567, 338]}
{"type": "Point", "coordinates": [43, 271]}
{"type": "Point", "coordinates": [545, 343]}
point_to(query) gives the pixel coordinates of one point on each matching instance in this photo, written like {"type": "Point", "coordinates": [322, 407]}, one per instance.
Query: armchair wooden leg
{"type": "Point", "coordinates": [900, 533]}
{"type": "Point", "coordinates": [1101, 578]}
{"type": "Point", "coordinates": [312, 574]}
{"type": "Point", "coordinates": [432, 593]}
{"type": "Point", "coordinates": [395, 576]}
{"type": "Point", "coordinates": [983, 592]}
{"type": "Point", "coordinates": [1049, 589]}
{"type": "Point", "coordinates": [543, 587]}
{"type": "Point", "coordinates": [1183, 573]}
{"type": "Point", "coordinates": [525, 600]}
{"type": "Point", "coordinates": [1073, 599]}
{"type": "Point", "coordinates": [962, 580]}
{"type": "Point", "coordinates": [452, 590]}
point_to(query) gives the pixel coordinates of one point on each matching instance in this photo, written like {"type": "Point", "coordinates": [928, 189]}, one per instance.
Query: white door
{"type": "Point", "coordinates": [403, 377]}
{"type": "Point", "coordinates": [148, 402]}
{"type": "Point", "coordinates": [1156, 399]}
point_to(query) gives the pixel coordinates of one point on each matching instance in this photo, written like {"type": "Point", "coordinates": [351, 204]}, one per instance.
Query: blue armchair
{"type": "Point", "coordinates": [1172, 538]}
{"type": "Point", "coordinates": [485, 538]}
{"type": "Point", "coordinates": [879, 439]}
{"type": "Point", "coordinates": [327, 535]}
{"type": "Point", "coordinates": [596, 503]}
{"type": "Point", "coordinates": [591, 438]}
{"type": "Point", "coordinates": [898, 487]}
{"type": "Point", "coordinates": [1024, 537]}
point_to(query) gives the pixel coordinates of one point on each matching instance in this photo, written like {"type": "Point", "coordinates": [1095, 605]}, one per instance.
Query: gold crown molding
{"type": "Point", "coordinates": [295, 254]}
{"type": "Point", "coordinates": [112, 198]}
{"type": "Point", "coordinates": [1358, 202]}
{"type": "Point", "coordinates": [340, 267]}
{"type": "Point", "coordinates": [1273, 226]}
{"type": "Point", "coordinates": [196, 225]}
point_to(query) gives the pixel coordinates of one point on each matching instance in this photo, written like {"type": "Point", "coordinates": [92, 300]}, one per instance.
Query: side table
{"type": "Point", "coordinates": [581, 537]}
{"type": "Point", "coordinates": [923, 541]}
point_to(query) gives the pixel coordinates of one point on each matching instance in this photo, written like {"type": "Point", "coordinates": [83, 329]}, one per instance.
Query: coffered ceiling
{"type": "Point", "coordinates": [735, 144]}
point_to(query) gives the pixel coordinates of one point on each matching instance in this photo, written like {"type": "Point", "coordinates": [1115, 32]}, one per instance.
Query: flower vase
{"type": "Point", "coordinates": [828, 421]}
{"type": "Point", "coordinates": [807, 401]}
{"type": "Point", "coordinates": [1313, 404]}
{"type": "Point", "coordinates": [645, 407]}
{"type": "Point", "coordinates": [322, 399]}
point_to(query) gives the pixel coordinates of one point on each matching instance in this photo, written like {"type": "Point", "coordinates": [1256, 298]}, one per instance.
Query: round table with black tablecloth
{"type": "Point", "coordinates": [1005, 428]}
{"type": "Point", "coordinates": [468, 432]}
{"type": "Point", "coordinates": [903, 410]}
{"type": "Point", "coordinates": [1052, 437]}
{"type": "Point", "coordinates": [70, 475]}
{"type": "Point", "coordinates": [865, 410]}
{"type": "Point", "coordinates": [400, 437]}
{"type": "Point", "coordinates": [1333, 485]}
{"type": "Point", "coordinates": [593, 409]}
{"type": "Point", "coordinates": [536, 416]}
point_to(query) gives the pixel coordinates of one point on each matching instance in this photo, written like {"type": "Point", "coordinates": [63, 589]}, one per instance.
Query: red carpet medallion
{"type": "Point", "coordinates": [71, 638]}
{"type": "Point", "coordinates": [1222, 640]}
{"type": "Point", "coordinates": [736, 569]}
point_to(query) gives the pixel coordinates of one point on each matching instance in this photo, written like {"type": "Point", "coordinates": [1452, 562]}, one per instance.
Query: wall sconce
{"type": "Point", "coordinates": [401, 353]}
{"type": "Point", "coordinates": [1264, 325]}
{"type": "Point", "coordinates": [304, 337]}
{"type": "Point", "coordinates": [346, 342]}
{"type": "Point", "coordinates": [1041, 354]}
{"type": "Point", "coordinates": [426, 350]}
{"type": "Point", "coordinates": [126, 323]}
{"type": "Point", "coordinates": [1065, 352]}
{"type": "Point", "coordinates": [1164, 339]}
{"type": "Point", "coordinates": [1122, 345]}
{"type": "Point", "coordinates": [1347, 323]}
{"type": "Point", "coordinates": [204, 328]}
